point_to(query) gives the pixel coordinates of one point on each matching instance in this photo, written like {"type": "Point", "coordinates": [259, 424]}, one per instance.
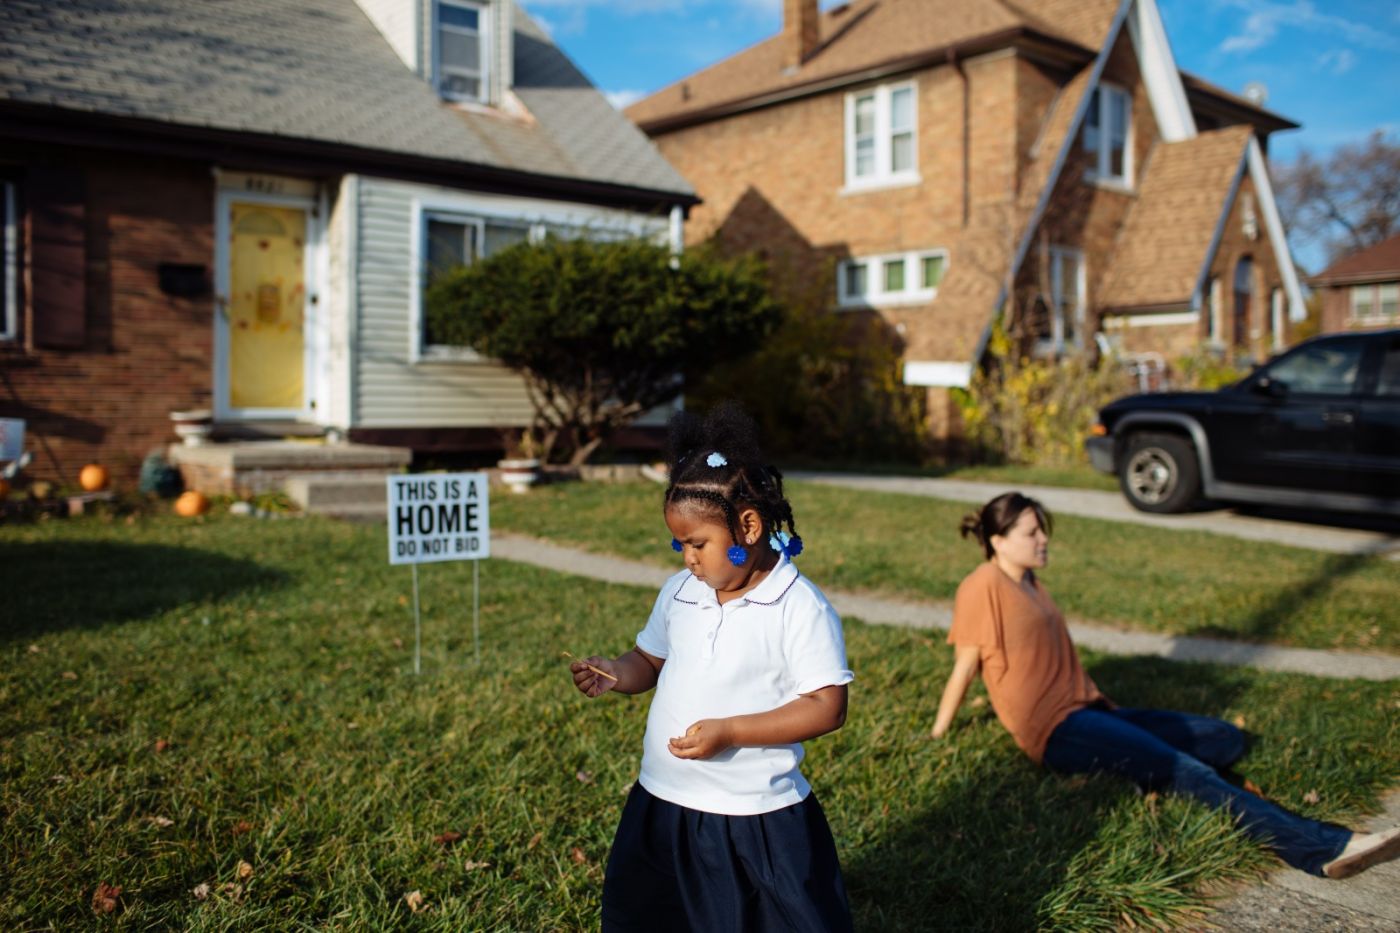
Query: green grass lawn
{"type": "Point", "coordinates": [274, 658]}
{"type": "Point", "coordinates": [1180, 582]}
{"type": "Point", "coordinates": [1076, 476]}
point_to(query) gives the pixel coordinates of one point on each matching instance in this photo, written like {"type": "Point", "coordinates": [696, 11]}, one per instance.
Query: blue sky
{"type": "Point", "coordinates": [1332, 66]}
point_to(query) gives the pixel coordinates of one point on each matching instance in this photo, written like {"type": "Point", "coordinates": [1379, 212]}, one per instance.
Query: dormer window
{"type": "Point", "coordinates": [461, 49]}
{"type": "Point", "coordinates": [1108, 127]}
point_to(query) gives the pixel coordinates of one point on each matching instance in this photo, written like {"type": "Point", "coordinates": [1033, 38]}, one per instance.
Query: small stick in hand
{"type": "Point", "coordinates": [591, 667]}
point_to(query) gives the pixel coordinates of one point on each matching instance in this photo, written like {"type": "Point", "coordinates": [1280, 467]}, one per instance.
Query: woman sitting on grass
{"type": "Point", "coordinates": [1006, 626]}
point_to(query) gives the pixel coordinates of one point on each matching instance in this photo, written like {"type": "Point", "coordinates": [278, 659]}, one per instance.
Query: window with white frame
{"type": "Point", "coordinates": [1108, 126]}
{"type": "Point", "coordinates": [1062, 328]}
{"type": "Point", "coordinates": [881, 136]}
{"type": "Point", "coordinates": [9, 274]}
{"type": "Point", "coordinates": [1375, 302]}
{"type": "Point", "coordinates": [895, 278]}
{"type": "Point", "coordinates": [460, 49]}
{"type": "Point", "coordinates": [450, 240]}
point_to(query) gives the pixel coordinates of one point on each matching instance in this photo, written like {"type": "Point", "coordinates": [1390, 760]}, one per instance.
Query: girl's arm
{"type": "Point", "coordinates": [966, 661]}
{"type": "Point", "coordinates": [636, 672]}
{"type": "Point", "coordinates": [806, 717]}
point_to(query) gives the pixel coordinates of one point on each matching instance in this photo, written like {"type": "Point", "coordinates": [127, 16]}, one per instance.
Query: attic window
{"type": "Point", "coordinates": [1108, 134]}
{"type": "Point", "coordinates": [460, 35]}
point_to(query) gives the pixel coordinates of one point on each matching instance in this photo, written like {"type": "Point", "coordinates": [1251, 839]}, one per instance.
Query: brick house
{"type": "Point", "coordinates": [940, 161]}
{"type": "Point", "coordinates": [1361, 291]}
{"type": "Point", "coordinates": [235, 206]}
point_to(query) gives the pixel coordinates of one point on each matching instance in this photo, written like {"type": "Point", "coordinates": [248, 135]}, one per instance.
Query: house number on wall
{"type": "Point", "coordinates": [262, 185]}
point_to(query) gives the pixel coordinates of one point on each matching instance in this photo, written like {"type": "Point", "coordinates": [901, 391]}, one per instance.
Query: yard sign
{"type": "Point", "coordinates": [436, 517]}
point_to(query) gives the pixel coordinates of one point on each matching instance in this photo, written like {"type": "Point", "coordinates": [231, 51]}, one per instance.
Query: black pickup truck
{"type": "Point", "coordinates": [1317, 427]}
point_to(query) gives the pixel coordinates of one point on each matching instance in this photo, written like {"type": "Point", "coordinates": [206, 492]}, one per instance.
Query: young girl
{"type": "Point", "coordinates": [721, 831]}
{"type": "Point", "coordinates": [1006, 626]}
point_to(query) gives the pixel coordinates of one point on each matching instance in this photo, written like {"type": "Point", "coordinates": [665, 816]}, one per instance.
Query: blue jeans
{"type": "Point", "coordinates": [1161, 749]}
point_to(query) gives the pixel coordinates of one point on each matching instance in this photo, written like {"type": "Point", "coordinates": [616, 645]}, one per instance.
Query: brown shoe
{"type": "Point", "coordinates": [1364, 851]}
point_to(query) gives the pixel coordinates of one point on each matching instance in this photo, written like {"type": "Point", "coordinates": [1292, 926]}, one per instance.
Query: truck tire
{"type": "Point", "coordinates": [1159, 473]}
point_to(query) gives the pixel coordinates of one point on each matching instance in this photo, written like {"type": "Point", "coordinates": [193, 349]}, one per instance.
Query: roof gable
{"type": "Point", "coordinates": [1373, 262]}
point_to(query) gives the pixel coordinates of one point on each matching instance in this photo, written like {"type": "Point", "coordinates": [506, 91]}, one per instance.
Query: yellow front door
{"type": "Point", "coordinates": [266, 306]}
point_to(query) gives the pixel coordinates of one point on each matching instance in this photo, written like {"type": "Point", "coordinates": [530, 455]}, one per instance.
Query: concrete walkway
{"type": "Point", "coordinates": [936, 615]}
{"type": "Point", "coordinates": [1111, 506]}
{"type": "Point", "coordinates": [1288, 901]}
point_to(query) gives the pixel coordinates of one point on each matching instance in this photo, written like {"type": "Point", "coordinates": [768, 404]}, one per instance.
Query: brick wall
{"type": "Point", "coordinates": [145, 353]}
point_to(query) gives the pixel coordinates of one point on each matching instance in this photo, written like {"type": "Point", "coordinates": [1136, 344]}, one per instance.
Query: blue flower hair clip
{"type": "Point", "coordinates": [716, 459]}
{"type": "Point", "coordinates": [785, 543]}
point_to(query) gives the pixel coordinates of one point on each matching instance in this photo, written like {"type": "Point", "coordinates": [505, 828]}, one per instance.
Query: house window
{"type": "Point", "coordinates": [452, 240]}
{"type": "Point", "coordinates": [1107, 135]}
{"type": "Point", "coordinates": [9, 274]}
{"type": "Point", "coordinates": [1371, 303]}
{"type": "Point", "coordinates": [1062, 328]}
{"type": "Point", "coordinates": [461, 50]}
{"type": "Point", "coordinates": [895, 279]}
{"type": "Point", "coordinates": [881, 133]}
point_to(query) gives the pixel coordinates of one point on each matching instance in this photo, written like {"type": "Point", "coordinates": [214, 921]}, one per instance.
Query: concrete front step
{"type": "Point", "coordinates": [322, 492]}
{"type": "Point", "coordinates": [263, 466]}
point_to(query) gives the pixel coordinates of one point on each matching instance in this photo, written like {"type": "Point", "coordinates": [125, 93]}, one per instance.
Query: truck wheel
{"type": "Point", "coordinates": [1159, 473]}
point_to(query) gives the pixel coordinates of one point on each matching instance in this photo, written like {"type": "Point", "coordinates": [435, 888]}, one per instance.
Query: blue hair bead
{"type": "Point", "coordinates": [738, 555]}
{"type": "Point", "coordinates": [794, 547]}
{"type": "Point", "coordinates": [675, 545]}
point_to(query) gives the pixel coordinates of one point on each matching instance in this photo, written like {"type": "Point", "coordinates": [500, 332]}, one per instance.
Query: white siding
{"type": "Point", "coordinates": [391, 389]}
{"type": "Point", "coordinates": [396, 20]}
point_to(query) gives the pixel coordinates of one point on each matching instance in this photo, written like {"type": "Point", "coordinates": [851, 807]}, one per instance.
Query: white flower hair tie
{"type": "Point", "coordinates": [716, 459]}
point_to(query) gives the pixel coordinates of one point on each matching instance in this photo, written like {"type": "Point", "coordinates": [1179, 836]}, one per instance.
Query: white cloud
{"type": "Point", "coordinates": [624, 99]}
{"type": "Point", "coordinates": [1265, 18]}
{"type": "Point", "coordinates": [1337, 61]}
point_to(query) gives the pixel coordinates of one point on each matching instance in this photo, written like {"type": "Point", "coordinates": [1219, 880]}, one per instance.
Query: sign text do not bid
{"type": "Point", "coordinates": [438, 516]}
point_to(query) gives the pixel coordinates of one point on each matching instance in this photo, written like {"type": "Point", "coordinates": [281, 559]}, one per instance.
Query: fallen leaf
{"type": "Point", "coordinates": [1253, 788]}
{"type": "Point", "coordinates": [403, 601]}
{"type": "Point", "coordinates": [233, 890]}
{"type": "Point", "coordinates": [104, 899]}
{"type": "Point", "coordinates": [414, 900]}
{"type": "Point", "coordinates": [35, 649]}
{"type": "Point", "coordinates": [1311, 796]}
{"type": "Point", "coordinates": [1238, 721]}
{"type": "Point", "coordinates": [534, 841]}
{"type": "Point", "coordinates": [69, 675]}
{"type": "Point", "coordinates": [161, 745]}
{"type": "Point", "coordinates": [1151, 798]}
{"type": "Point", "coordinates": [584, 777]}
{"type": "Point", "coordinates": [578, 856]}
{"type": "Point", "coordinates": [245, 871]}
{"type": "Point", "coordinates": [241, 827]}
{"type": "Point", "coordinates": [161, 821]}
{"type": "Point", "coordinates": [469, 865]}
{"type": "Point", "coordinates": [398, 642]}
{"type": "Point", "coordinates": [978, 702]}
{"type": "Point", "coordinates": [449, 838]}
{"type": "Point", "coordinates": [201, 892]}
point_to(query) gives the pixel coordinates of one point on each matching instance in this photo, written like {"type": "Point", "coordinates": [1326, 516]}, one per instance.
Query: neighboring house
{"type": "Point", "coordinates": [236, 205]}
{"type": "Point", "coordinates": [1361, 291]}
{"type": "Point", "coordinates": [932, 159]}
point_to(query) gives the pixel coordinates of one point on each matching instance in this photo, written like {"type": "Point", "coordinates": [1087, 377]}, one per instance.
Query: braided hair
{"type": "Point", "coordinates": [743, 478]}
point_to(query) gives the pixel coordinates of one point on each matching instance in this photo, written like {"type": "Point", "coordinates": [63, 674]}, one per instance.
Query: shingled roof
{"type": "Point", "coordinates": [314, 70]}
{"type": "Point", "coordinates": [1168, 234]}
{"type": "Point", "coordinates": [1376, 263]}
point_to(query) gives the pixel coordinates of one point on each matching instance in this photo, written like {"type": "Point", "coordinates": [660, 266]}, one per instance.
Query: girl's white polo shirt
{"type": "Point", "coordinates": [750, 655]}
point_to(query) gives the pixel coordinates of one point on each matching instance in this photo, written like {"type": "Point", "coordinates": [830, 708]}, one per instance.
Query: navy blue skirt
{"type": "Point", "coordinates": [673, 868]}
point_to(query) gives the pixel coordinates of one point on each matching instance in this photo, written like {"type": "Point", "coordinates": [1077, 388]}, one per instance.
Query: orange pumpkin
{"type": "Point", "coordinates": [93, 477]}
{"type": "Point", "coordinates": [191, 503]}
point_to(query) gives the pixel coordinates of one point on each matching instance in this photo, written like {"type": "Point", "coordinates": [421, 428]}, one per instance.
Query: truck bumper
{"type": "Point", "coordinates": [1100, 453]}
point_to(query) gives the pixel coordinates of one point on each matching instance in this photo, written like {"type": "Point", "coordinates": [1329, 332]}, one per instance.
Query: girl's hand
{"type": "Point", "coordinates": [589, 683]}
{"type": "Point", "coordinates": [704, 739]}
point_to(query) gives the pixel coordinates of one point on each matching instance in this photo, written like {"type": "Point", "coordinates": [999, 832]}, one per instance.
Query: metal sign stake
{"type": "Point", "coordinates": [476, 607]}
{"type": "Point", "coordinates": [417, 628]}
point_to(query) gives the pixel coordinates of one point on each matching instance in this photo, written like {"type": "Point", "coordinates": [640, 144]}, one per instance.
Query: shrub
{"type": "Point", "coordinates": [1035, 412]}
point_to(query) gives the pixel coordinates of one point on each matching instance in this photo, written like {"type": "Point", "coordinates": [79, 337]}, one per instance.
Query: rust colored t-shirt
{"type": "Point", "coordinates": [1029, 665]}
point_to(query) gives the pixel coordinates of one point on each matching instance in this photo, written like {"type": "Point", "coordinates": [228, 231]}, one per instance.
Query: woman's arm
{"type": "Point", "coordinates": [966, 661]}
{"type": "Point", "coordinates": [636, 672]}
{"type": "Point", "coordinates": [806, 717]}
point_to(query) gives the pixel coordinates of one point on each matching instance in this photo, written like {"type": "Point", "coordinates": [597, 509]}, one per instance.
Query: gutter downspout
{"type": "Point", "coordinates": [956, 64]}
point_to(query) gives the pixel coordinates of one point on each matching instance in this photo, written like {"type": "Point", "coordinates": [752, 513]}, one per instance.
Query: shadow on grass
{"type": "Point", "coordinates": [999, 839]}
{"type": "Point", "coordinates": [54, 586]}
{"type": "Point", "coordinates": [1263, 625]}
